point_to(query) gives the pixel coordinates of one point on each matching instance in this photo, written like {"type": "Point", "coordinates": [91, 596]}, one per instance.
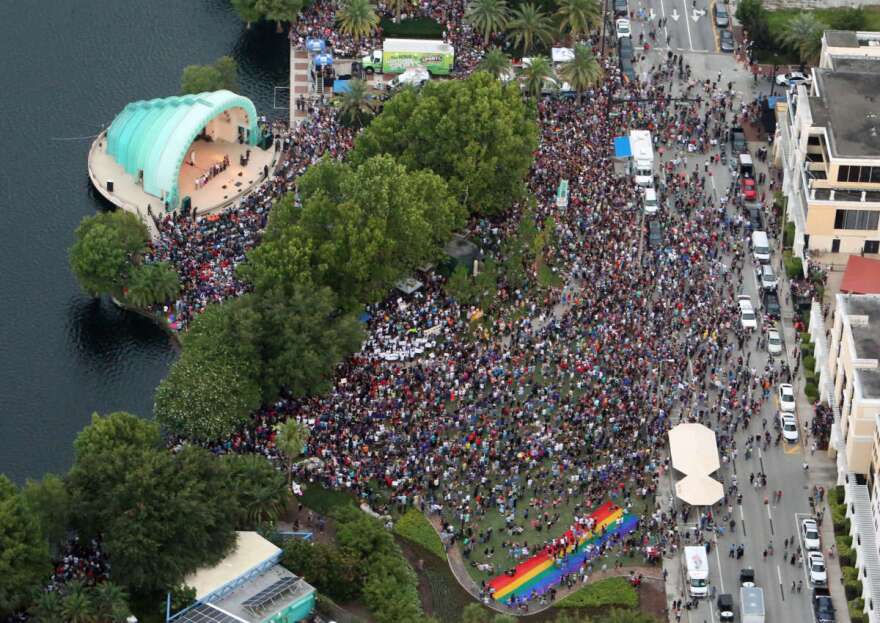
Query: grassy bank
{"type": "Point", "coordinates": [609, 593]}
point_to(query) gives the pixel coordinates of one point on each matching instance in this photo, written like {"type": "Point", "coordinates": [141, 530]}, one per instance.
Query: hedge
{"type": "Point", "coordinates": [603, 594]}
{"type": "Point", "coordinates": [846, 553]}
{"type": "Point", "coordinates": [837, 495]}
{"type": "Point", "coordinates": [856, 609]}
{"type": "Point", "coordinates": [788, 236]}
{"type": "Point", "coordinates": [794, 267]}
{"type": "Point", "coordinates": [811, 391]}
{"type": "Point", "coordinates": [413, 526]}
{"type": "Point", "coordinates": [415, 28]}
{"type": "Point", "coordinates": [809, 363]}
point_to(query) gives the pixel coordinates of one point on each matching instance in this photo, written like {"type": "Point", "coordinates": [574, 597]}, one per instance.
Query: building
{"type": "Point", "coordinates": [828, 145]}
{"type": "Point", "coordinates": [192, 152]}
{"type": "Point", "coordinates": [248, 586]}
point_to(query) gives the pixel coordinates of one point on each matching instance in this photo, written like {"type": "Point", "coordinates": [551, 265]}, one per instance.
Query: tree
{"type": "Point", "coordinates": [578, 16]}
{"type": "Point", "coordinates": [487, 16]}
{"type": "Point", "coordinates": [47, 607]}
{"type": "Point", "coordinates": [476, 613]}
{"type": "Point", "coordinates": [496, 63]}
{"type": "Point", "coordinates": [753, 16]}
{"type": "Point", "coordinates": [486, 283]}
{"type": "Point", "coordinates": [477, 134]}
{"type": "Point", "coordinates": [49, 501]}
{"type": "Point", "coordinates": [149, 284]}
{"type": "Point", "coordinates": [107, 246]}
{"type": "Point", "coordinates": [291, 438]}
{"type": "Point", "coordinates": [111, 603]}
{"type": "Point", "coordinates": [581, 72]}
{"type": "Point", "coordinates": [161, 515]}
{"type": "Point", "coordinates": [538, 74]}
{"type": "Point", "coordinates": [247, 10]}
{"type": "Point", "coordinates": [618, 615]}
{"type": "Point", "coordinates": [356, 106]}
{"type": "Point", "coordinates": [338, 575]}
{"type": "Point", "coordinates": [803, 34]}
{"type": "Point", "coordinates": [848, 18]}
{"type": "Point", "coordinates": [397, 6]}
{"type": "Point", "coordinates": [205, 399]}
{"type": "Point", "coordinates": [77, 605]}
{"type": "Point", "coordinates": [24, 553]}
{"type": "Point", "coordinates": [223, 74]}
{"type": "Point", "coordinates": [529, 24]}
{"type": "Point", "coordinates": [357, 18]}
{"type": "Point", "coordinates": [259, 489]}
{"type": "Point", "coordinates": [279, 10]}
{"type": "Point", "coordinates": [460, 286]}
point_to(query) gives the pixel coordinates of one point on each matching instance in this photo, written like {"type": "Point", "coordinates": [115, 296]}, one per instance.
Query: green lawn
{"type": "Point", "coordinates": [833, 17]}
{"type": "Point", "coordinates": [417, 28]}
{"type": "Point", "coordinates": [547, 278]}
{"type": "Point", "coordinates": [609, 593]}
{"type": "Point", "coordinates": [414, 527]}
{"type": "Point", "coordinates": [324, 501]}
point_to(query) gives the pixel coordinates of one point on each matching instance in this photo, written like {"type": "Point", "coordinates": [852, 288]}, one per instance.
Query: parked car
{"type": "Point", "coordinates": [769, 280]}
{"type": "Point", "coordinates": [747, 188]}
{"type": "Point", "coordinates": [747, 577]}
{"type": "Point", "coordinates": [756, 218]}
{"type": "Point", "coordinates": [793, 78]}
{"type": "Point", "coordinates": [655, 234]}
{"type": "Point", "coordinates": [620, 7]}
{"type": "Point", "coordinates": [810, 532]}
{"type": "Point", "coordinates": [771, 304]}
{"type": "Point", "coordinates": [652, 204]}
{"type": "Point", "coordinates": [738, 140]}
{"type": "Point", "coordinates": [725, 41]}
{"type": "Point", "coordinates": [625, 48]}
{"type": "Point", "coordinates": [789, 427]}
{"type": "Point", "coordinates": [786, 398]}
{"type": "Point", "coordinates": [774, 342]}
{"type": "Point", "coordinates": [626, 67]}
{"type": "Point", "coordinates": [725, 607]}
{"type": "Point", "coordinates": [623, 28]}
{"type": "Point", "coordinates": [746, 312]}
{"type": "Point", "coordinates": [722, 18]}
{"type": "Point", "coordinates": [823, 608]}
{"type": "Point", "coordinates": [816, 567]}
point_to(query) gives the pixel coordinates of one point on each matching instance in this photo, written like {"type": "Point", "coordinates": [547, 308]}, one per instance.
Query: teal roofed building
{"type": "Point", "coordinates": [166, 153]}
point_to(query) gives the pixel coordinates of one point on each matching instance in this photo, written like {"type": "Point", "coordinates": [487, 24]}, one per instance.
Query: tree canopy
{"type": "Point", "coordinates": [476, 133]}
{"type": "Point", "coordinates": [49, 501]}
{"type": "Point", "coordinates": [107, 247]}
{"type": "Point", "coordinates": [24, 552]}
{"type": "Point", "coordinates": [222, 74]}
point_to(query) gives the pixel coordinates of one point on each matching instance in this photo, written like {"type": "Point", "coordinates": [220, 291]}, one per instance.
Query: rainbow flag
{"type": "Point", "coordinates": [539, 573]}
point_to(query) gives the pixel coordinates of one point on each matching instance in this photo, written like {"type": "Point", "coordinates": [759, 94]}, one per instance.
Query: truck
{"type": "Point", "coordinates": [752, 604]}
{"type": "Point", "coordinates": [697, 563]}
{"type": "Point", "coordinates": [642, 148]}
{"type": "Point", "coordinates": [414, 76]}
{"type": "Point", "coordinates": [398, 55]}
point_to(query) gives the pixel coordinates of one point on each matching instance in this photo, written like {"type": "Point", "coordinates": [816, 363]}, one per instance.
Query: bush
{"type": "Point", "coordinates": [415, 527]}
{"type": "Point", "coordinates": [325, 501]}
{"type": "Point", "coordinates": [847, 18]}
{"type": "Point", "coordinates": [846, 553]}
{"type": "Point", "coordinates": [323, 566]}
{"type": "Point", "coordinates": [794, 267]}
{"type": "Point", "coordinates": [788, 236]}
{"type": "Point", "coordinates": [837, 495]}
{"type": "Point", "coordinates": [808, 349]}
{"type": "Point", "coordinates": [603, 594]}
{"type": "Point", "coordinates": [811, 391]}
{"type": "Point", "coordinates": [809, 363]}
{"type": "Point", "coordinates": [852, 588]}
{"type": "Point", "coordinates": [416, 28]}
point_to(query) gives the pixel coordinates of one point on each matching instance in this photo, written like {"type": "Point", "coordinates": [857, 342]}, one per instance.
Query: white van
{"type": "Point", "coordinates": [697, 563]}
{"type": "Point", "coordinates": [760, 246]}
{"type": "Point", "coordinates": [651, 205]}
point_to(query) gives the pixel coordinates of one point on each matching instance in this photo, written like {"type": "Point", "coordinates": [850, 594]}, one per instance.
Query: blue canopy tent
{"type": "Point", "coordinates": [323, 59]}
{"type": "Point", "coordinates": [622, 148]}
{"type": "Point", "coordinates": [315, 46]}
{"type": "Point", "coordinates": [341, 86]}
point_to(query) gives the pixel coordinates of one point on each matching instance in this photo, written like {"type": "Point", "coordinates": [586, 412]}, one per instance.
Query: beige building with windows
{"type": "Point", "coordinates": [828, 145]}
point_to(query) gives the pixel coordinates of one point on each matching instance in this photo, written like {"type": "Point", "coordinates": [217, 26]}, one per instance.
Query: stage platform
{"type": "Point", "coordinates": [219, 192]}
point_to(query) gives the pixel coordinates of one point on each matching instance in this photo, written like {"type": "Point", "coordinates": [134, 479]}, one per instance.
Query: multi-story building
{"type": "Point", "coordinates": [828, 144]}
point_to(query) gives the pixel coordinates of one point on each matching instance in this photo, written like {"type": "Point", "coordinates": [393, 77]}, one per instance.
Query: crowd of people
{"type": "Point", "coordinates": [211, 172]}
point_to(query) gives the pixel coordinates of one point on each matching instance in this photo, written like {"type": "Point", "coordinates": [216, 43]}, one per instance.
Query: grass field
{"type": "Point", "coordinates": [324, 501]}
{"type": "Point", "coordinates": [416, 28]}
{"type": "Point", "coordinates": [608, 593]}
{"type": "Point", "coordinates": [776, 21]}
{"type": "Point", "coordinates": [414, 527]}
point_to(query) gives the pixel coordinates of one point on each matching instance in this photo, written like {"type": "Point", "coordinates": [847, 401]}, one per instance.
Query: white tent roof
{"type": "Point", "coordinates": [251, 550]}
{"type": "Point", "coordinates": [693, 449]}
{"type": "Point", "coordinates": [699, 490]}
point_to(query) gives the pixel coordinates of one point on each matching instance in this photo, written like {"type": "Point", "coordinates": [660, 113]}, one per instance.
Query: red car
{"type": "Point", "coordinates": [747, 186]}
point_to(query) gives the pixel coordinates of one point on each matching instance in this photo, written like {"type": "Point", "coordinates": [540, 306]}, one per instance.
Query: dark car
{"type": "Point", "coordinates": [722, 18]}
{"type": "Point", "coordinates": [738, 140]}
{"type": "Point", "coordinates": [822, 606]}
{"type": "Point", "coordinates": [756, 219]}
{"type": "Point", "coordinates": [620, 8]}
{"type": "Point", "coordinates": [655, 234]}
{"type": "Point", "coordinates": [626, 67]}
{"type": "Point", "coordinates": [725, 607]}
{"type": "Point", "coordinates": [771, 304]}
{"type": "Point", "coordinates": [625, 48]}
{"type": "Point", "coordinates": [747, 577]}
{"type": "Point", "coordinates": [725, 40]}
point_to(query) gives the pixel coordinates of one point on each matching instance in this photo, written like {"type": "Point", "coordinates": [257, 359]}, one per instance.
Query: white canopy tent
{"type": "Point", "coordinates": [693, 449]}
{"type": "Point", "coordinates": [699, 490]}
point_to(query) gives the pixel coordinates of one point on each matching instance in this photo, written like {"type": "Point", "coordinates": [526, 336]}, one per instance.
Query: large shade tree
{"type": "Point", "coordinates": [107, 246]}
{"type": "Point", "coordinates": [222, 74]}
{"type": "Point", "coordinates": [477, 134]}
{"type": "Point", "coordinates": [529, 25]}
{"type": "Point", "coordinates": [487, 16]}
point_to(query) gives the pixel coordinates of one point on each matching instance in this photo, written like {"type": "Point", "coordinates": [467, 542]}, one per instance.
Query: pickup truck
{"type": "Point", "coordinates": [822, 606]}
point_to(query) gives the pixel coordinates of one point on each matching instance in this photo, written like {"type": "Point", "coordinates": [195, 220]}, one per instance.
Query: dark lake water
{"type": "Point", "coordinates": [67, 69]}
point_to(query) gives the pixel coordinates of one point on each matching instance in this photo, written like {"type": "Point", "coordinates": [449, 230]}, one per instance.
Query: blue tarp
{"type": "Point", "coordinates": [315, 45]}
{"type": "Point", "coordinates": [323, 59]}
{"type": "Point", "coordinates": [622, 148]}
{"type": "Point", "coordinates": [341, 86]}
{"type": "Point", "coordinates": [771, 101]}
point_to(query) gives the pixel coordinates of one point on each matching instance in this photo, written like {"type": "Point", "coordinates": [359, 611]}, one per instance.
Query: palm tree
{"type": "Point", "coordinates": [357, 104]}
{"type": "Point", "coordinates": [111, 603]}
{"type": "Point", "coordinates": [582, 71]}
{"type": "Point", "coordinates": [803, 34]}
{"type": "Point", "coordinates": [152, 283]}
{"type": "Point", "coordinates": [487, 16]}
{"type": "Point", "coordinates": [496, 63]}
{"type": "Point", "coordinates": [47, 607]}
{"type": "Point", "coordinates": [578, 16]}
{"type": "Point", "coordinates": [397, 5]}
{"type": "Point", "coordinates": [539, 71]}
{"type": "Point", "coordinates": [77, 605]}
{"type": "Point", "coordinates": [530, 23]}
{"type": "Point", "coordinates": [357, 18]}
{"type": "Point", "coordinates": [290, 439]}
{"type": "Point", "coordinates": [261, 489]}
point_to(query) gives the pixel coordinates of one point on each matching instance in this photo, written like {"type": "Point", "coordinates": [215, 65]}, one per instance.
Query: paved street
{"type": "Point", "coordinates": [688, 26]}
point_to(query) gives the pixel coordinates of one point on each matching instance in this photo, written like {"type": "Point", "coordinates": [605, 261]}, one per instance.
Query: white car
{"type": "Point", "coordinates": [651, 205]}
{"type": "Point", "coordinates": [786, 398]}
{"type": "Point", "coordinates": [816, 566]}
{"type": "Point", "coordinates": [769, 280]}
{"type": "Point", "coordinates": [789, 427]}
{"type": "Point", "coordinates": [623, 28]}
{"type": "Point", "coordinates": [810, 532]}
{"type": "Point", "coordinates": [792, 78]}
{"type": "Point", "coordinates": [746, 312]}
{"type": "Point", "coordinates": [774, 342]}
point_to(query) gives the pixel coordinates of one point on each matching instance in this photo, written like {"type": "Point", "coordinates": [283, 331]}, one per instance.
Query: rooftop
{"type": "Point", "coordinates": [849, 63]}
{"type": "Point", "coordinates": [251, 550]}
{"type": "Point", "coordinates": [294, 589]}
{"type": "Point", "coordinates": [869, 380]}
{"type": "Point", "coordinates": [841, 39]}
{"type": "Point", "coordinates": [852, 101]}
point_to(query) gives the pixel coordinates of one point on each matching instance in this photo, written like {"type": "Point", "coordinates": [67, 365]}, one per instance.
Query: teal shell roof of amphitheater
{"type": "Point", "coordinates": [153, 136]}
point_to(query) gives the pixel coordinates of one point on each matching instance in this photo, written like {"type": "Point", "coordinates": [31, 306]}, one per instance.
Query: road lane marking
{"type": "Point", "coordinates": [779, 575]}
{"type": "Point", "coordinates": [718, 560]}
{"type": "Point", "coordinates": [687, 24]}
